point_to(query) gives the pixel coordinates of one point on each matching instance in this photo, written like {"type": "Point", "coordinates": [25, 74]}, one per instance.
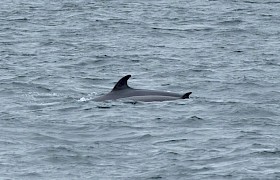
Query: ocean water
{"type": "Point", "coordinates": [57, 56]}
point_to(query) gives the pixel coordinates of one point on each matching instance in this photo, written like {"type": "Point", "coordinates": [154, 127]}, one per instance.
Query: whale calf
{"type": "Point", "coordinates": [122, 91]}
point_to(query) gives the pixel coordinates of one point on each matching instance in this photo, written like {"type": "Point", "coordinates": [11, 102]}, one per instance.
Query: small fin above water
{"type": "Point", "coordinates": [186, 96]}
{"type": "Point", "coordinates": [122, 83]}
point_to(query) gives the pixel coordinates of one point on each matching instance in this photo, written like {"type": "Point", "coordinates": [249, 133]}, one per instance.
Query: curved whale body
{"type": "Point", "coordinates": [121, 90]}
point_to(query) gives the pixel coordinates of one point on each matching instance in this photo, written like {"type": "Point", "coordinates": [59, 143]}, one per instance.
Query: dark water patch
{"type": "Point", "coordinates": [171, 141]}
{"type": "Point", "coordinates": [104, 107]}
{"type": "Point", "coordinates": [68, 108]}
{"type": "Point", "coordinates": [184, 29]}
{"type": "Point", "coordinates": [233, 22]}
{"type": "Point", "coordinates": [29, 87]}
{"type": "Point", "coordinates": [253, 111]}
{"type": "Point", "coordinates": [156, 177]}
{"type": "Point", "coordinates": [195, 118]}
{"type": "Point", "coordinates": [36, 107]}
{"type": "Point", "coordinates": [43, 137]}
{"type": "Point", "coordinates": [257, 121]}
{"type": "Point", "coordinates": [132, 138]}
{"type": "Point", "coordinates": [31, 175]}
{"type": "Point", "coordinates": [272, 62]}
{"type": "Point", "coordinates": [64, 154]}
{"type": "Point", "coordinates": [269, 153]}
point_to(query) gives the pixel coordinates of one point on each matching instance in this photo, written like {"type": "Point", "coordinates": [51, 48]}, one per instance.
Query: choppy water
{"type": "Point", "coordinates": [56, 56]}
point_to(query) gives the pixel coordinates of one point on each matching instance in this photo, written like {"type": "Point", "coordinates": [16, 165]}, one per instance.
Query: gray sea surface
{"type": "Point", "coordinates": [57, 56]}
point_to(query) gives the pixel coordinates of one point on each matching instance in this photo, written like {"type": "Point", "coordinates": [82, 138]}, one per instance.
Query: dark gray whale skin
{"type": "Point", "coordinates": [121, 90]}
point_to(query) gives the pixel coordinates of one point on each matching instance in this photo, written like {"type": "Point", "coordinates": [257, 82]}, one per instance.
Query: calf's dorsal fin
{"type": "Point", "coordinates": [122, 83]}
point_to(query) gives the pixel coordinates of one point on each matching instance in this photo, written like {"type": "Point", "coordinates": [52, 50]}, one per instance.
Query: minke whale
{"type": "Point", "coordinates": [122, 91]}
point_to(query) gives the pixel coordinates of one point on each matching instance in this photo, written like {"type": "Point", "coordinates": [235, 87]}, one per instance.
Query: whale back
{"type": "Point", "coordinates": [122, 90]}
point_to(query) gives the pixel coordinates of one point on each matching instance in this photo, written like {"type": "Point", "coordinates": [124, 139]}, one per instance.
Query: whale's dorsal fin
{"type": "Point", "coordinates": [186, 96]}
{"type": "Point", "coordinates": [122, 83]}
